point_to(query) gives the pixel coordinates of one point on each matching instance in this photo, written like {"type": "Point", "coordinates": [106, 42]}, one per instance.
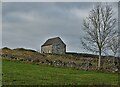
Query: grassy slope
{"type": "Point", "coordinates": [16, 73]}
{"type": "Point", "coordinates": [0, 72]}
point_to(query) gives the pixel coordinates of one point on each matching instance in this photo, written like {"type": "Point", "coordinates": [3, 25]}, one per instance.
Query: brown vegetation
{"type": "Point", "coordinates": [77, 61]}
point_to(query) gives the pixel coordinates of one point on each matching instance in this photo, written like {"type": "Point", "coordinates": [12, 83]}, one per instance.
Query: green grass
{"type": "Point", "coordinates": [17, 73]}
{"type": "Point", "coordinates": [0, 71]}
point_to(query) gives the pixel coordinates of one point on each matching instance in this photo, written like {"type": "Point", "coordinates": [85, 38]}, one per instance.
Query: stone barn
{"type": "Point", "coordinates": [54, 45]}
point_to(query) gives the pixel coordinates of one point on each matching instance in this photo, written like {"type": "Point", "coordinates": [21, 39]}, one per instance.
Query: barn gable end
{"type": "Point", "coordinates": [54, 45]}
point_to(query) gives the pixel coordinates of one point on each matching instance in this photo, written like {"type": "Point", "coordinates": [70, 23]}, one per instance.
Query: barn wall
{"type": "Point", "coordinates": [46, 49]}
{"type": "Point", "coordinates": [59, 48]}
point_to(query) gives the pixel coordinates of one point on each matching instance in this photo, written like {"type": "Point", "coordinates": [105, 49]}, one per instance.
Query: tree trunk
{"type": "Point", "coordinates": [114, 60]}
{"type": "Point", "coordinates": [99, 60]}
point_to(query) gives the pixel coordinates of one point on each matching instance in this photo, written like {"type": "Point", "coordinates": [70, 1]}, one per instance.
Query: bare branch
{"type": "Point", "coordinates": [100, 28]}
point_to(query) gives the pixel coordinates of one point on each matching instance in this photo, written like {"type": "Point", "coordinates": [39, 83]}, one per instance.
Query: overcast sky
{"type": "Point", "coordinates": [0, 25]}
{"type": "Point", "coordinates": [30, 24]}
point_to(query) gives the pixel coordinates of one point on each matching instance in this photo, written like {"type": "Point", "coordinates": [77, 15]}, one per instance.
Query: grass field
{"type": "Point", "coordinates": [18, 73]}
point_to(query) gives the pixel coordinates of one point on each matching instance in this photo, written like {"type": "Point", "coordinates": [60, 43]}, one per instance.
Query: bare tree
{"type": "Point", "coordinates": [114, 46]}
{"type": "Point", "coordinates": [99, 27]}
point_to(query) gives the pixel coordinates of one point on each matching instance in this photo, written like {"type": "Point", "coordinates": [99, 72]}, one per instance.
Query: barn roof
{"type": "Point", "coordinates": [52, 41]}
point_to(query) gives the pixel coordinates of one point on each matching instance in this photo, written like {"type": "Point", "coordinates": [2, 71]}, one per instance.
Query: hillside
{"type": "Point", "coordinates": [76, 61]}
{"type": "Point", "coordinates": [19, 73]}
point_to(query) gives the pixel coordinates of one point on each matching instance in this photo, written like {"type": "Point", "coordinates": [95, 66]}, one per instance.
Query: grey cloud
{"type": "Point", "coordinates": [28, 6]}
{"type": "Point", "coordinates": [0, 25]}
{"type": "Point", "coordinates": [30, 24]}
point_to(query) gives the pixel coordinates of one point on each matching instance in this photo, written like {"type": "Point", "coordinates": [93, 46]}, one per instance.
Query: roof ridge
{"type": "Point", "coordinates": [51, 41]}
{"type": "Point", "coordinates": [54, 37]}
